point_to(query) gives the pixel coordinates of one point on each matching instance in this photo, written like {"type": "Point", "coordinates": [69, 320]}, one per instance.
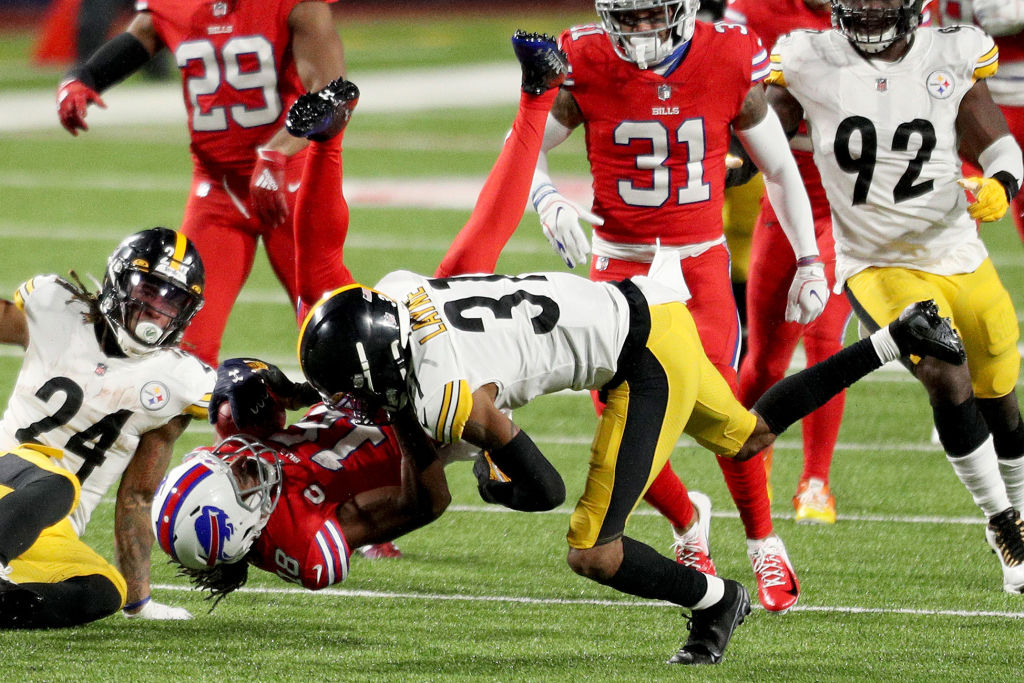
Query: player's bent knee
{"type": "Point", "coordinates": [598, 563]}
{"type": "Point", "coordinates": [944, 381]}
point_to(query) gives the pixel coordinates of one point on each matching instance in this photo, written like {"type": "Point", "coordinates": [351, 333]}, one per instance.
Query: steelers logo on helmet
{"type": "Point", "coordinates": [152, 288]}
{"type": "Point", "coordinates": [354, 342]}
{"type": "Point", "coordinates": [873, 28]}
{"type": "Point", "coordinates": [647, 32]}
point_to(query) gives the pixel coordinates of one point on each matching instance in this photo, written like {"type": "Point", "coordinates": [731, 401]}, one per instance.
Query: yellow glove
{"type": "Point", "coordinates": [990, 202]}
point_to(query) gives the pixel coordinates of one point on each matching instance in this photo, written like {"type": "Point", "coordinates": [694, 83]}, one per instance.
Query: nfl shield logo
{"type": "Point", "coordinates": [881, 84]}
{"type": "Point", "coordinates": [220, 9]}
{"type": "Point", "coordinates": [664, 91]}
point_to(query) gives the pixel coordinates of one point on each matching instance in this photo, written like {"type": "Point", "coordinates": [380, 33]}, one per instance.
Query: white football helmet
{"type": "Point", "coordinates": [675, 22]}
{"type": "Point", "coordinates": [211, 508]}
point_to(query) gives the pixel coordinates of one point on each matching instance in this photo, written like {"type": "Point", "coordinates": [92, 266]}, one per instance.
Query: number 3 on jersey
{"type": "Point", "coordinates": [248, 65]}
{"type": "Point", "coordinates": [658, 191]}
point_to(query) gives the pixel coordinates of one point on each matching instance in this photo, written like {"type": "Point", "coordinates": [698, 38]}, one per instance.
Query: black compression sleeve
{"type": "Point", "coordinates": [793, 397]}
{"type": "Point", "coordinates": [535, 484]}
{"type": "Point", "coordinates": [116, 59]}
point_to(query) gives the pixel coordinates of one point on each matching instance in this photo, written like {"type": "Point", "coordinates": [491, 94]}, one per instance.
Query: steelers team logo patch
{"type": "Point", "coordinates": [154, 395]}
{"type": "Point", "coordinates": [940, 84]}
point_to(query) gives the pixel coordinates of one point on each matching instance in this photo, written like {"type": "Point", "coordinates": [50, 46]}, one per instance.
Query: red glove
{"type": "Point", "coordinates": [73, 97]}
{"type": "Point", "coordinates": [266, 187]}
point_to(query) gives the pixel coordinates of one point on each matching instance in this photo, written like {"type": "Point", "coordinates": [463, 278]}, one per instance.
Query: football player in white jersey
{"type": "Point", "coordinates": [102, 395]}
{"type": "Point", "coordinates": [459, 350]}
{"type": "Point", "coordinates": [888, 103]}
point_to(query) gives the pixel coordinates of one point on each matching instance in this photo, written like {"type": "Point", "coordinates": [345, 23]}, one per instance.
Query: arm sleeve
{"type": "Point", "coordinates": [766, 144]}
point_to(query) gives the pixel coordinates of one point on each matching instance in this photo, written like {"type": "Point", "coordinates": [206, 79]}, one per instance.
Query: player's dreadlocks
{"type": "Point", "coordinates": [79, 292]}
{"type": "Point", "coordinates": [219, 580]}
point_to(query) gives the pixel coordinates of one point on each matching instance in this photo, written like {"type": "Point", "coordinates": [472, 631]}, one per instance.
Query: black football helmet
{"type": "Point", "coordinates": [152, 288]}
{"type": "Point", "coordinates": [353, 343]}
{"type": "Point", "coordinates": [874, 29]}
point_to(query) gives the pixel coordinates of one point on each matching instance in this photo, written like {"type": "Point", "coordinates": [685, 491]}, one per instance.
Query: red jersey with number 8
{"type": "Point", "coordinates": [326, 460]}
{"type": "Point", "coordinates": [657, 143]}
{"type": "Point", "coordinates": [238, 75]}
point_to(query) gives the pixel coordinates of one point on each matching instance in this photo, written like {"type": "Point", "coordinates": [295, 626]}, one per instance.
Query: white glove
{"type": "Point", "coordinates": [560, 219]}
{"type": "Point", "coordinates": [156, 611]}
{"type": "Point", "coordinates": [808, 294]}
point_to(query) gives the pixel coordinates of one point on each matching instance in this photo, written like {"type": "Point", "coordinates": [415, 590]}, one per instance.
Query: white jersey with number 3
{"type": "Point", "coordinates": [528, 334]}
{"type": "Point", "coordinates": [71, 395]}
{"type": "Point", "coordinates": [884, 138]}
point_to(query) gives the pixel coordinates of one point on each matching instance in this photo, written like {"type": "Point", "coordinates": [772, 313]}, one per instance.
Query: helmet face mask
{"type": "Point", "coordinates": [353, 350]}
{"type": "Point", "coordinates": [152, 288]}
{"type": "Point", "coordinates": [211, 508]}
{"type": "Point", "coordinates": [873, 29]}
{"type": "Point", "coordinates": [646, 32]}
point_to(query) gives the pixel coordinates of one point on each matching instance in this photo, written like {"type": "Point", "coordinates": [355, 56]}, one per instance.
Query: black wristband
{"type": "Point", "coordinates": [1008, 182]}
{"type": "Point", "coordinates": [114, 61]}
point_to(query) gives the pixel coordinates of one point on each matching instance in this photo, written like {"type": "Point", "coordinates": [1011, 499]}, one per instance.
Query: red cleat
{"type": "Point", "coordinates": [380, 551]}
{"type": "Point", "coordinates": [777, 585]}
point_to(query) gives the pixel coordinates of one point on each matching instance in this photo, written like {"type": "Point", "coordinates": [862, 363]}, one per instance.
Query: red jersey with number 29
{"type": "Point", "coordinates": [657, 143]}
{"type": "Point", "coordinates": [326, 460]}
{"type": "Point", "coordinates": [238, 74]}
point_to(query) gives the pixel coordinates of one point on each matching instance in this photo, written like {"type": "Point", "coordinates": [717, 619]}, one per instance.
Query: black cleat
{"type": "Point", "coordinates": [711, 628]}
{"type": "Point", "coordinates": [544, 65]}
{"type": "Point", "coordinates": [1005, 534]}
{"type": "Point", "coordinates": [920, 331]}
{"type": "Point", "coordinates": [323, 114]}
{"type": "Point", "coordinates": [17, 604]}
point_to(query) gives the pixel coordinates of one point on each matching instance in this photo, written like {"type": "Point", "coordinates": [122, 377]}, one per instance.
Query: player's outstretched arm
{"type": "Point", "coordinates": [383, 514]}
{"type": "Point", "coordinates": [13, 324]}
{"type": "Point", "coordinates": [112, 62]}
{"type": "Point", "coordinates": [133, 535]}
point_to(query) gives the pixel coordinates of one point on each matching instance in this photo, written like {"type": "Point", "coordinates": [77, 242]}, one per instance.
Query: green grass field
{"type": "Point", "coordinates": [903, 587]}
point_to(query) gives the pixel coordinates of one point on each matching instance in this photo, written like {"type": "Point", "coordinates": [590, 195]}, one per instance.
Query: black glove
{"type": "Point", "coordinates": [743, 174]}
{"type": "Point", "coordinates": [247, 390]}
{"type": "Point", "coordinates": [292, 395]}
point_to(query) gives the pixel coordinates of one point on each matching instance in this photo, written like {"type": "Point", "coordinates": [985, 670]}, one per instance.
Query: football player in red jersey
{"type": "Point", "coordinates": [640, 82]}
{"type": "Point", "coordinates": [771, 340]}
{"type": "Point", "coordinates": [243, 63]}
{"type": "Point", "coordinates": [1004, 21]}
{"type": "Point", "coordinates": [298, 505]}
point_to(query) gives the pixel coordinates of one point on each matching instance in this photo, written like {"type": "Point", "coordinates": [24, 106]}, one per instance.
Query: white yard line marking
{"type": "Point", "coordinates": [459, 597]}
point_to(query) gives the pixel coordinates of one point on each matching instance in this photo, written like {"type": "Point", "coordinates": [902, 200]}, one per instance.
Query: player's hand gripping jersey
{"type": "Point", "coordinates": [530, 335]}
{"type": "Point", "coordinates": [72, 396]}
{"type": "Point", "coordinates": [238, 76]}
{"type": "Point", "coordinates": [657, 143]}
{"type": "Point", "coordinates": [881, 137]}
{"type": "Point", "coordinates": [326, 459]}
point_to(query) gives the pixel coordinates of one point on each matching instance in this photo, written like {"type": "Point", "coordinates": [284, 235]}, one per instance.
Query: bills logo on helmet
{"type": "Point", "coordinates": [154, 395]}
{"type": "Point", "coordinates": [213, 530]}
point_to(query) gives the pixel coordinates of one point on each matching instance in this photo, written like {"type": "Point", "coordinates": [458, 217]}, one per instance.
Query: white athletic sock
{"type": "Point", "coordinates": [1012, 472]}
{"type": "Point", "coordinates": [716, 590]}
{"type": "Point", "coordinates": [885, 345]}
{"type": "Point", "coordinates": [979, 472]}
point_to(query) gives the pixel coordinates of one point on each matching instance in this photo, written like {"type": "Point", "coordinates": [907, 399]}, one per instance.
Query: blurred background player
{"type": "Point", "coordinates": [1004, 20]}
{"type": "Point", "coordinates": [657, 145]}
{"type": "Point", "coordinates": [887, 137]}
{"type": "Point", "coordinates": [771, 339]}
{"type": "Point", "coordinates": [102, 395]}
{"type": "Point", "coordinates": [242, 63]}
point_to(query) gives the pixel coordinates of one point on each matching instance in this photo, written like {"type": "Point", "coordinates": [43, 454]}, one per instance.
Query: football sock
{"type": "Point", "coordinates": [30, 508]}
{"type": "Point", "coordinates": [72, 602]}
{"type": "Point", "coordinates": [1012, 473]}
{"type": "Point", "coordinates": [503, 197]}
{"type": "Point", "coordinates": [821, 427]}
{"type": "Point", "coordinates": [667, 495]}
{"type": "Point", "coordinates": [962, 428]}
{"type": "Point", "coordinates": [748, 486]}
{"type": "Point", "coordinates": [646, 573]}
{"type": "Point", "coordinates": [792, 397]}
{"type": "Point", "coordinates": [979, 472]}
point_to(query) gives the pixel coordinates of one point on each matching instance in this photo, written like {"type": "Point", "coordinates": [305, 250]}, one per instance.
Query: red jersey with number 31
{"type": "Point", "coordinates": [657, 143]}
{"type": "Point", "coordinates": [326, 460]}
{"type": "Point", "coordinates": [238, 74]}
